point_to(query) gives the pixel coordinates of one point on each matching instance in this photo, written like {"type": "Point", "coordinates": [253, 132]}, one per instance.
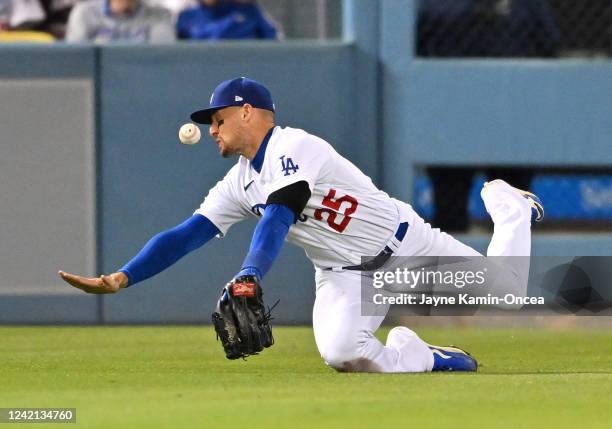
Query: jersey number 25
{"type": "Point", "coordinates": [334, 209]}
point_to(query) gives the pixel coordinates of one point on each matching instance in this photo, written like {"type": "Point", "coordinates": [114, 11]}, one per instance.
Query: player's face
{"type": "Point", "coordinates": [122, 7]}
{"type": "Point", "coordinates": [226, 129]}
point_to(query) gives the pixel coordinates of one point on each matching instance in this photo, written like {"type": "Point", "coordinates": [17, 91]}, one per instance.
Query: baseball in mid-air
{"type": "Point", "coordinates": [189, 134]}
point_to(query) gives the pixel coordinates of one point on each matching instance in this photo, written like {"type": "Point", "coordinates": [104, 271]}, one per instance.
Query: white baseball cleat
{"type": "Point", "coordinates": [536, 204]}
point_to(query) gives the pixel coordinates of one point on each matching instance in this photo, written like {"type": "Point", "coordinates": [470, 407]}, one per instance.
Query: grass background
{"type": "Point", "coordinates": [154, 377]}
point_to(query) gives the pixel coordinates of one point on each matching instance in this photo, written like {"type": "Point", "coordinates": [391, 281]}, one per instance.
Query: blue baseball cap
{"type": "Point", "coordinates": [235, 92]}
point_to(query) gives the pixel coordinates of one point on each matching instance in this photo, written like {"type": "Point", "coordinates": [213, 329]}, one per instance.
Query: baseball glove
{"type": "Point", "coordinates": [241, 321]}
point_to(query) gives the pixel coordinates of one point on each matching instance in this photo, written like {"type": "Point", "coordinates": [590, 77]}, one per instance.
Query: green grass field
{"type": "Point", "coordinates": [150, 377]}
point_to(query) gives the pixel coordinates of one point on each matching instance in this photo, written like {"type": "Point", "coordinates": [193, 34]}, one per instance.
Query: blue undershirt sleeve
{"type": "Point", "coordinates": [168, 247]}
{"type": "Point", "coordinates": [267, 240]}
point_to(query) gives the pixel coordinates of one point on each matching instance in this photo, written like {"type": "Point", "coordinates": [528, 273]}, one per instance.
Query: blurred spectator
{"type": "Point", "coordinates": [119, 20]}
{"type": "Point", "coordinates": [487, 28]}
{"type": "Point", "coordinates": [225, 19]}
{"type": "Point", "coordinates": [20, 14]}
{"type": "Point", "coordinates": [5, 15]}
{"type": "Point", "coordinates": [57, 12]}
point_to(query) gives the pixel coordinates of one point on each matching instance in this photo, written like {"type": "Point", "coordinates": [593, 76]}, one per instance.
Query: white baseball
{"type": "Point", "coordinates": [189, 134]}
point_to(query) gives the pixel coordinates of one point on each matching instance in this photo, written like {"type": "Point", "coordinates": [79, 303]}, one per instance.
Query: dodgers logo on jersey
{"type": "Point", "coordinates": [288, 165]}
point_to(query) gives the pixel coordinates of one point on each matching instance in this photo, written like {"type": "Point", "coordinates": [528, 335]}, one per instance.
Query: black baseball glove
{"type": "Point", "coordinates": [241, 321]}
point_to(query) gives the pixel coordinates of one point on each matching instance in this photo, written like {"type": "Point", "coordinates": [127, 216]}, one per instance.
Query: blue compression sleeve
{"type": "Point", "coordinates": [168, 247]}
{"type": "Point", "coordinates": [267, 240]}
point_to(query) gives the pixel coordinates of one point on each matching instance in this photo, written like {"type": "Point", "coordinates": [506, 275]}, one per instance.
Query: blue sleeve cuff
{"type": "Point", "coordinates": [128, 275]}
{"type": "Point", "coordinates": [250, 271]}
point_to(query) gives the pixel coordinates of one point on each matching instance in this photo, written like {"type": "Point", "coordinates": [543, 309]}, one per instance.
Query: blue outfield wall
{"type": "Point", "coordinates": [387, 111]}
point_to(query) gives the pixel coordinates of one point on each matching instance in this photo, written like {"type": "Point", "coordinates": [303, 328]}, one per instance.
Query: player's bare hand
{"type": "Point", "coordinates": [99, 285]}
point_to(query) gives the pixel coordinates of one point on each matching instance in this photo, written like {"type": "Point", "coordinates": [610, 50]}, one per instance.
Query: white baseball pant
{"type": "Point", "coordinates": [346, 339]}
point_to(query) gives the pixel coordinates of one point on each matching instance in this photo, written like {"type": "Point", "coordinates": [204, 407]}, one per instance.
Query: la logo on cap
{"type": "Point", "coordinates": [238, 98]}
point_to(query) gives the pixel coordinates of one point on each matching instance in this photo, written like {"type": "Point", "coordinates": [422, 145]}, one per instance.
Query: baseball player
{"type": "Point", "coordinates": [304, 192]}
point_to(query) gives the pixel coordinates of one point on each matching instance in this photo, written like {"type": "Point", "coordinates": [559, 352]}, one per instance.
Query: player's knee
{"type": "Point", "coordinates": [336, 357]}
{"type": "Point", "coordinates": [348, 354]}
{"type": "Point", "coordinates": [350, 362]}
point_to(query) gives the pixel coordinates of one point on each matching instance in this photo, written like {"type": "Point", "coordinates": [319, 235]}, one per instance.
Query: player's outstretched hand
{"type": "Point", "coordinates": [104, 284]}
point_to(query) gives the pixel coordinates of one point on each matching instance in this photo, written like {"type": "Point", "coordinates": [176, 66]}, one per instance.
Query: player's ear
{"type": "Point", "coordinates": [247, 111]}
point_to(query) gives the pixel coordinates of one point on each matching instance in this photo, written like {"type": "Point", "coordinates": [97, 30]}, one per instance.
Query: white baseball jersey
{"type": "Point", "coordinates": [346, 216]}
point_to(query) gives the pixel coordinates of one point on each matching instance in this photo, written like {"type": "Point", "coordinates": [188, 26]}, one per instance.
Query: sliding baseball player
{"type": "Point", "coordinates": [305, 193]}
